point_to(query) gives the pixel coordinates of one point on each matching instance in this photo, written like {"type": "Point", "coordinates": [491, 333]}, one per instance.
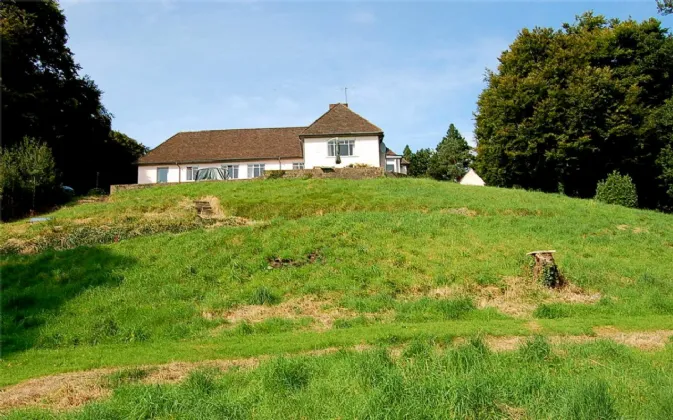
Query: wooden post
{"type": "Point", "coordinates": [545, 269]}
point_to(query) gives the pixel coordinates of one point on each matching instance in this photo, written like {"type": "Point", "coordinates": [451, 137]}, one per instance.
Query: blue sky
{"type": "Point", "coordinates": [410, 67]}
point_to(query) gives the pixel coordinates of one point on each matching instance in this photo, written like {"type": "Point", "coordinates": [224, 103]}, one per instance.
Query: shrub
{"type": "Point", "coordinates": [27, 178]}
{"type": "Point", "coordinates": [275, 174]}
{"type": "Point", "coordinates": [617, 189]}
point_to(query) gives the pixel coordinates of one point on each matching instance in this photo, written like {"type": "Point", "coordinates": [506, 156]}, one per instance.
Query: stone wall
{"type": "Point", "coordinates": [344, 173]}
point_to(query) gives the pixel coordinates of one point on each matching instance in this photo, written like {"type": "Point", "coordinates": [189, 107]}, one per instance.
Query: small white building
{"type": "Point", "coordinates": [471, 178]}
{"type": "Point", "coordinates": [338, 135]}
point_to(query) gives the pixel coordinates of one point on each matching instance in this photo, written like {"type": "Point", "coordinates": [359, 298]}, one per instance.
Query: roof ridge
{"type": "Point", "coordinates": [238, 129]}
{"type": "Point", "coordinates": [365, 119]}
{"type": "Point", "coordinates": [320, 117]}
{"type": "Point", "coordinates": [350, 114]}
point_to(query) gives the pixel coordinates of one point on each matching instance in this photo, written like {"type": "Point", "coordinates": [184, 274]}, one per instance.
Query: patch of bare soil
{"type": "Point", "coordinates": [278, 262]}
{"type": "Point", "coordinates": [323, 311]}
{"type": "Point", "coordinates": [644, 340]}
{"type": "Point", "coordinates": [59, 392]}
{"type": "Point", "coordinates": [517, 297]}
{"type": "Point", "coordinates": [635, 229]}
{"type": "Point", "coordinates": [463, 211]}
{"type": "Point", "coordinates": [93, 199]}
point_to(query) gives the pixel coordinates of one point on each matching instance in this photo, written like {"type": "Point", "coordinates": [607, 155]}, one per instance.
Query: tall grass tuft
{"type": "Point", "coordinates": [285, 374]}
{"type": "Point", "coordinates": [591, 401]}
{"type": "Point", "coordinates": [263, 296]}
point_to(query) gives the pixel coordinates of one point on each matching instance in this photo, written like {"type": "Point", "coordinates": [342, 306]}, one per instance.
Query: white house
{"type": "Point", "coordinates": [339, 134]}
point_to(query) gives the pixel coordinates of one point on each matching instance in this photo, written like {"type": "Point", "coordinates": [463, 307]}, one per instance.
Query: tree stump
{"type": "Point", "coordinates": [545, 269]}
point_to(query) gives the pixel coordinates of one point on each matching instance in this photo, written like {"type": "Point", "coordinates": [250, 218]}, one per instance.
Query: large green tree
{"type": "Point", "coordinates": [567, 107]}
{"type": "Point", "coordinates": [453, 157]}
{"type": "Point", "coordinates": [419, 162]}
{"type": "Point", "coordinates": [44, 97]}
{"type": "Point", "coordinates": [665, 7]}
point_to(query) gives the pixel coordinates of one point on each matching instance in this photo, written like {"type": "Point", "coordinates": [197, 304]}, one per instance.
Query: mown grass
{"type": "Point", "coordinates": [601, 380]}
{"type": "Point", "coordinates": [369, 247]}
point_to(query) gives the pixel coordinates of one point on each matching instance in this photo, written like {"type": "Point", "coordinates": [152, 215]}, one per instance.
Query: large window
{"type": "Point", "coordinates": [231, 170]}
{"type": "Point", "coordinates": [162, 174]}
{"type": "Point", "coordinates": [390, 167]}
{"type": "Point", "coordinates": [345, 147]}
{"type": "Point", "coordinates": [255, 170]}
{"type": "Point", "coordinates": [191, 172]}
{"type": "Point", "coordinates": [298, 165]}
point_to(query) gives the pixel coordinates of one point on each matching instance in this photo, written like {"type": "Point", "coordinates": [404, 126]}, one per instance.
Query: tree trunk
{"type": "Point", "coordinates": [545, 269]}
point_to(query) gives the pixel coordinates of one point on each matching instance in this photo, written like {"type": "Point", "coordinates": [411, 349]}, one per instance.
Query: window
{"type": "Point", "coordinates": [231, 171]}
{"type": "Point", "coordinates": [345, 147]}
{"type": "Point", "coordinates": [255, 170]}
{"type": "Point", "coordinates": [298, 165]}
{"type": "Point", "coordinates": [162, 174]}
{"type": "Point", "coordinates": [191, 173]}
{"type": "Point", "coordinates": [390, 167]}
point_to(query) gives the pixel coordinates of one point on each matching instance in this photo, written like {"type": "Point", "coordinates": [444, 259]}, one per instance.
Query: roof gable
{"type": "Point", "coordinates": [339, 119]}
{"type": "Point", "coordinates": [224, 145]}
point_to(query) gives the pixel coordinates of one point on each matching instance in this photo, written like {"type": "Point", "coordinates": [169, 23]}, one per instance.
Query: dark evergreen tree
{"type": "Point", "coordinates": [453, 157]}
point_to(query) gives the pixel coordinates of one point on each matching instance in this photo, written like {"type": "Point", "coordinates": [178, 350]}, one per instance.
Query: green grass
{"type": "Point", "coordinates": [602, 380]}
{"type": "Point", "coordinates": [371, 248]}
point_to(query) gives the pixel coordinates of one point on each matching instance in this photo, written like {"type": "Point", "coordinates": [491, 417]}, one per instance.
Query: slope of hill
{"type": "Point", "coordinates": [288, 266]}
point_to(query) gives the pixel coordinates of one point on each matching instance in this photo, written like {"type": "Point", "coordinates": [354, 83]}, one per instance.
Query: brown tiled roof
{"type": "Point", "coordinates": [340, 120]}
{"type": "Point", "coordinates": [223, 145]}
{"type": "Point", "coordinates": [390, 152]}
{"type": "Point", "coordinates": [404, 162]}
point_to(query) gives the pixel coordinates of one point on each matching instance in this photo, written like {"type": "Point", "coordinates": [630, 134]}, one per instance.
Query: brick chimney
{"type": "Point", "coordinates": [333, 105]}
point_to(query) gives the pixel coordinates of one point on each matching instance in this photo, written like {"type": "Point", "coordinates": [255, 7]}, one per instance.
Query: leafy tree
{"type": "Point", "coordinates": [569, 106]}
{"type": "Point", "coordinates": [617, 189]}
{"type": "Point", "coordinates": [660, 126]}
{"type": "Point", "coordinates": [453, 157]}
{"type": "Point", "coordinates": [665, 7]}
{"type": "Point", "coordinates": [27, 177]}
{"type": "Point", "coordinates": [420, 161]}
{"type": "Point", "coordinates": [124, 152]}
{"type": "Point", "coordinates": [45, 98]}
{"type": "Point", "coordinates": [406, 154]}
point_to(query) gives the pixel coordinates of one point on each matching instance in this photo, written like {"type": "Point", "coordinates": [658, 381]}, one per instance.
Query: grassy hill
{"type": "Point", "coordinates": [433, 275]}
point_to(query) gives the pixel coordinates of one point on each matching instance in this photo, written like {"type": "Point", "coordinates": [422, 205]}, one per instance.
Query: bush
{"type": "Point", "coordinates": [27, 180]}
{"type": "Point", "coordinates": [274, 174]}
{"type": "Point", "coordinates": [617, 189]}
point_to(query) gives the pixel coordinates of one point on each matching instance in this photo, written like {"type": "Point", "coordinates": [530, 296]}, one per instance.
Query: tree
{"type": "Point", "coordinates": [45, 98]}
{"type": "Point", "coordinates": [665, 7]}
{"type": "Point", "coordinates": [419, 162]}
{"type": "Point", "coordinates": [568, 107]}
{"type": "Point", "coordinates": [452, 159]}
{"type": "Point", "coordinates": [27, 177]}
{"type": "Point", "coordinates": [406, 154]}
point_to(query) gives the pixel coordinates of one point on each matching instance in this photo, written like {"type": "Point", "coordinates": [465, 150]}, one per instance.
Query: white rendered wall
{"type": "Point", "coordinates": [365, 150]}
{"type": "Point", "coordinates": [147, 174]}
